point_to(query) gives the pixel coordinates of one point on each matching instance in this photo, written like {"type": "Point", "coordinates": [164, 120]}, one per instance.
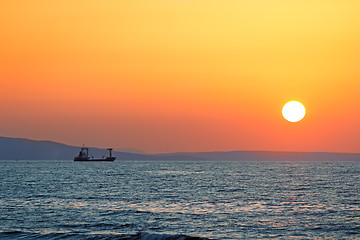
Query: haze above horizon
{"type": "Point", "coordinates": [182, 76]}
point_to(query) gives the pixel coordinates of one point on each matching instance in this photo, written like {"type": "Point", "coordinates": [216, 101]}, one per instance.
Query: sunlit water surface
{"type": "Point", "coordinates": [179, 200]}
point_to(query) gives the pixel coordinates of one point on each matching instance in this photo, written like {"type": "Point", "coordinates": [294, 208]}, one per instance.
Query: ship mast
{"type": "Point", "coordinates": [110, 151]}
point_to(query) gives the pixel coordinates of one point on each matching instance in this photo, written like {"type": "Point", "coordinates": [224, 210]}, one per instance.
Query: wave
{"type": "Point", "coordinates": [93, 236]}
{"type": "Point", "coordinates": [154, 236]}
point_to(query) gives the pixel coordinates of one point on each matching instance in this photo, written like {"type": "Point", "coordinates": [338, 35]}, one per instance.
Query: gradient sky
{"type": "Point", "coordinates": [181, 75]}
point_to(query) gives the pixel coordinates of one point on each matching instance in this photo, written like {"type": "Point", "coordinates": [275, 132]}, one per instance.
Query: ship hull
{"type": "Point", "coordinates": [109, 159]}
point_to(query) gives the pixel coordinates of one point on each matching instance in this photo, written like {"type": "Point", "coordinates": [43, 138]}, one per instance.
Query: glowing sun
{"type": "Point", "coordinates": [293, 111]}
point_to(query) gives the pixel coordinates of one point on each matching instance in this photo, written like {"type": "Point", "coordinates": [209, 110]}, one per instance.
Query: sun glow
{"type": "Point", "coordinates": [181, 75]}
{"type": "Point", "coordinates": [293, 111]}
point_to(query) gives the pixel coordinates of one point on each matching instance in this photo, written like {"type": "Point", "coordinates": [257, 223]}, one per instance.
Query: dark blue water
{"type": "Point", "coordinates": [179, 200]}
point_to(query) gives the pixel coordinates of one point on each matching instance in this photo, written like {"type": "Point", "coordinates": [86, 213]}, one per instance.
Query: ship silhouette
{"type": "Point", "coordinates": [84, 156]}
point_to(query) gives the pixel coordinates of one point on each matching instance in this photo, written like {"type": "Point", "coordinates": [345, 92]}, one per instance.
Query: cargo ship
{"type": "Point", "coordinates": [84, 156]}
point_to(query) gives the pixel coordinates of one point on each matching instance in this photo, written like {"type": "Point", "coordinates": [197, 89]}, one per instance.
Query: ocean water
{"type": "Point", "coordinates": [179, 200]}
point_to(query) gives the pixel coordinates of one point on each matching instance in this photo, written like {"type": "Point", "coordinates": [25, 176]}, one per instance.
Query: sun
{"type": "Point", "coordinates": [293, 111]}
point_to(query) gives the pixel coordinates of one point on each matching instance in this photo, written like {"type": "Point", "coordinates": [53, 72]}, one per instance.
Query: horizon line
{"type": "Point", "coordinates": [188, 152]}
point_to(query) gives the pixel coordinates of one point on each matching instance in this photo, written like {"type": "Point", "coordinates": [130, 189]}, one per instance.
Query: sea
{"type": "Point", "coordinates": [179, 200]}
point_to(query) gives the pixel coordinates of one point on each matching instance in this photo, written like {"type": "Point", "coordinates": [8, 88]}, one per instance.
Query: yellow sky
{"type": "Point", "coordinates": [182, 75]}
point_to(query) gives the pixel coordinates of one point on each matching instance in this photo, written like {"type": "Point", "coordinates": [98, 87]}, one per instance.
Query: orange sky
{"type": "Point", "coordinates": [182, 75]}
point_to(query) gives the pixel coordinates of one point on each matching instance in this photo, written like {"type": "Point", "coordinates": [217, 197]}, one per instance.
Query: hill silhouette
{"type": "Point", "coordinates": [27, 149]}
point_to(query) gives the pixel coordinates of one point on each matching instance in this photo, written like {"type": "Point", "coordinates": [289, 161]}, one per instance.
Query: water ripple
{"type": "Point", "coordinates": [179, 200]}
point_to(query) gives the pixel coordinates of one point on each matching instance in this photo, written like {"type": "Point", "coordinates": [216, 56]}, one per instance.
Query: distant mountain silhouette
{"type": "Point", "coordinates": [268, 156]}
{"type": "Point", "coordinates": [26, 149]}
{"type": "Point", "coordinates": [130, 150]}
